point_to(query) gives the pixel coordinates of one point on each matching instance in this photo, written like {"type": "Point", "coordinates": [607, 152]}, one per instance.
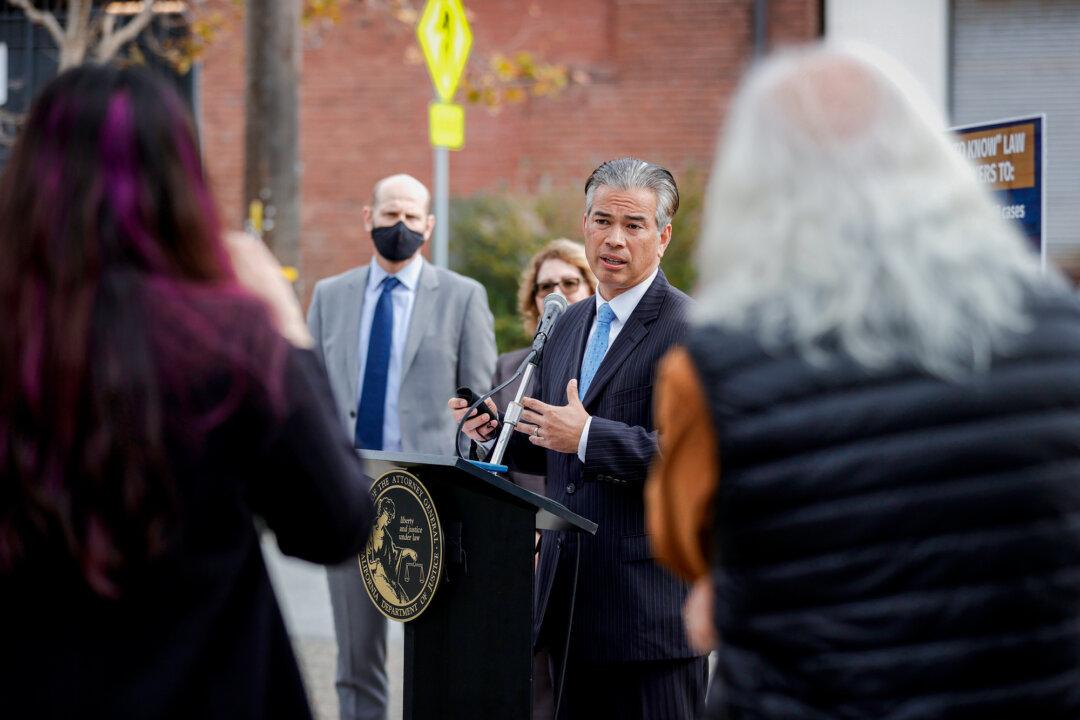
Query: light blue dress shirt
{"type": "Point", "coordinates": [623, 306]}
{"type": "Point", "coordinates": [403, 297]}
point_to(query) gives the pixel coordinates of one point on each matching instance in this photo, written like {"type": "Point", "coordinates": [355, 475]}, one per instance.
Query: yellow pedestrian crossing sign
{"type": "Point", "coordinates": [446, 39]}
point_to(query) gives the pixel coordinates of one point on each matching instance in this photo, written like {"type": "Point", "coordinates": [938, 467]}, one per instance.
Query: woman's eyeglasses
{"type": "Point", "coordinates": [569, 286]}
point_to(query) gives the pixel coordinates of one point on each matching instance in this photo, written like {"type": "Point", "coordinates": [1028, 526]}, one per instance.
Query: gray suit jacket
{"type": "Point", "coordinates": [451, 342]}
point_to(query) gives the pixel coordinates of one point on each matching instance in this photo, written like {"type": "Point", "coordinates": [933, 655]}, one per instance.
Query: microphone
{"type": "Point", "coordinates": [554, 305]}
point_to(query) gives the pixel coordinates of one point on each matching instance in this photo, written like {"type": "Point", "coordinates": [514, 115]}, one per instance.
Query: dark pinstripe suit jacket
{"type": "Point", "coordinates": [627, 608]}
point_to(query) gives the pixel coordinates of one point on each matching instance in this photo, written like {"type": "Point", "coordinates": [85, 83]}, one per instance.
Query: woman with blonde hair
{"type": "Point", "coordinates": [560, 266]}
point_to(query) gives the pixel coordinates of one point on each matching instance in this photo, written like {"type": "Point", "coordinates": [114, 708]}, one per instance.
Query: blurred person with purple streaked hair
{"type": "Point", "coordinates": [884, 520]}
{"type": "Point", "coordinates": [156, 393]}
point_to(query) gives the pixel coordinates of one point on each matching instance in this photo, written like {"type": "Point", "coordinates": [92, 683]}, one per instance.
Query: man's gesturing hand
{"type": "Point", "coordinates": [555, 427]}
{"type": "Point", "coordinates": [479, 428]}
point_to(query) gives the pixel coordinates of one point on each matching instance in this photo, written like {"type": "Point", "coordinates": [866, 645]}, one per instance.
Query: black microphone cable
{"type": "Point", "coordinates": [480, 400]}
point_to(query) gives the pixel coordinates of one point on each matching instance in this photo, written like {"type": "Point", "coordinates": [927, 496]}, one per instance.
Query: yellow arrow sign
{"type": "Point", "coordinates": [446, 39]}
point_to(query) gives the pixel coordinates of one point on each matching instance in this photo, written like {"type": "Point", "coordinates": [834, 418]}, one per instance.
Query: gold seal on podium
{"type": "Point", "coordinates": [402, 563]}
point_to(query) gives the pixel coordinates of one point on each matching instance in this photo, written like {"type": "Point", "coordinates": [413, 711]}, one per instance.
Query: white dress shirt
{"type": "Point", "coordinates": [623, 306]}
{"type": "Point", "coordinates": [402, 297]}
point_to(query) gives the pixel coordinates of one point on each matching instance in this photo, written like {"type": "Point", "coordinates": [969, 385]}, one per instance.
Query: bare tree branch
{"type": "Point", "coordinates": [103, 25]}
{"type": "Point", "coordinates": [78, 13]}
{"type": "Point", "coordinates": [111, 44]}
{"type": "Point", "coordinates": [78, 35]}
{"type": "Point", "coordinates": [42, 17]}
{"type": "Point", "coordinates": [156, 47]}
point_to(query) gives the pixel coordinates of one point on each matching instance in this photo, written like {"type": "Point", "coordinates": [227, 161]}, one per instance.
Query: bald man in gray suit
{"type": "Point", "coordinates": [396, 337]}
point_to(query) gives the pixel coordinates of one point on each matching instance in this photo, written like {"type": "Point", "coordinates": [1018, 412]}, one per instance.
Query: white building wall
{"type": "Point", "coordinates": [915, 32]}
{"type": "Point", "coordinates": [1018, 57]}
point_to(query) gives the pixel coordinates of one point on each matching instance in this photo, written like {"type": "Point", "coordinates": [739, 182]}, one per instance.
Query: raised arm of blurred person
{"type": "Point", "coordinates": [310, 487]}
{"type": "Point", "coordinates": [307, 490]}
{"type": "Point", "coordinates": [259, 271]}
{"type": "Point", "coordinates": [308, 468]}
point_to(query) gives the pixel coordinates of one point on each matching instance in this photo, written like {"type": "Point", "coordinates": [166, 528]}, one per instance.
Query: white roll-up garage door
{"type": "Point", "coordinates": [1022, 57]}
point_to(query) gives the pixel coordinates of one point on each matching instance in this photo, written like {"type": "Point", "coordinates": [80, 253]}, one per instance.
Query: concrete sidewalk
{"type": "Point", "coordinates": [305, 602]}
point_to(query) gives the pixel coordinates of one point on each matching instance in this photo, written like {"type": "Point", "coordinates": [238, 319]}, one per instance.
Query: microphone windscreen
{"type": "Point", "coordinates": [554, 299]}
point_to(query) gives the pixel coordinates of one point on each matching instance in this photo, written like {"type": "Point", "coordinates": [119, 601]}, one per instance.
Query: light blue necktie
{"type": "Point", "coordinates": [597, 348]}
{"type": "Point", "coordinates": [372, 410]}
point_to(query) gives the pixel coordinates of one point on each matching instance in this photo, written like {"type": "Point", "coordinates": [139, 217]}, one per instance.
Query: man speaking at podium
{"type": "Point", "coordinates": [590, 430]}
{"type": "Point", "coordinates": [394, 336]}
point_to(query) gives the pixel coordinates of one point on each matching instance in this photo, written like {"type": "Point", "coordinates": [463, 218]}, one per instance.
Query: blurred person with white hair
{"type": "Point", "coordinates": [892, 388]}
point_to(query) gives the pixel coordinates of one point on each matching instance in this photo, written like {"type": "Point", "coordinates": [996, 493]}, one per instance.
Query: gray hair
{"type": "Point", "coordinates": [631, 174]}
{"type": "Point", "coordinates": [839, 215]}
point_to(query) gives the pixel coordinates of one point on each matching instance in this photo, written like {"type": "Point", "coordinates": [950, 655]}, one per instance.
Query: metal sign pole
{"type": "Point", "coordinates": [445, 37]}
{"type": "Point", "coordinates": [441, 248]}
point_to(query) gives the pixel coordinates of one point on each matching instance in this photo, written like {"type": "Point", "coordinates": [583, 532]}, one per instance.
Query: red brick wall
{"type": "Point", "coordinates": [661, 73]}
{"type": "Point", "coordinates": [220, 107]}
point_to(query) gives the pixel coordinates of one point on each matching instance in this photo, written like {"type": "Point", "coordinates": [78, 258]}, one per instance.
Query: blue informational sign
{"type": "Point", "coordinates": [1010, 156]}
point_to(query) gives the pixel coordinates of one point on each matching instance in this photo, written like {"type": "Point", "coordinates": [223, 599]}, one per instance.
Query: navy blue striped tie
{"type": "Point", "coordinates": [372, 411]}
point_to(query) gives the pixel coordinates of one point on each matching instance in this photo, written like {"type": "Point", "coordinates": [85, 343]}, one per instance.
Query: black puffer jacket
{"type": "Point", "coordinates": [896, 546]}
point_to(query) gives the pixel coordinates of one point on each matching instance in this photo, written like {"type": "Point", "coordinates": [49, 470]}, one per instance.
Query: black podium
{"type": "Point", "coordinates": [468, 654]}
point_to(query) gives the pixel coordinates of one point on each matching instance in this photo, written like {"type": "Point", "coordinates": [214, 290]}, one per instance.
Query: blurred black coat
{"type": "Point", "coordinates": [198, 634]}
{"type": "Point", "coordinates": [894, 546]}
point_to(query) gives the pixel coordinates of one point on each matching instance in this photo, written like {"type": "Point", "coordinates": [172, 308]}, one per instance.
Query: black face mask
{"type": "Point", "coordinates": [397, 242]}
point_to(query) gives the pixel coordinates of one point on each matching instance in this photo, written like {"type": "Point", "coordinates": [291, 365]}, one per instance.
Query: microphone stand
{"type": "Point", "coordinates": [526, 363]}
{"type": "Point", "coordinates": [554, 305]}
{"type": "Point", "coordinates": [513, 413]}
